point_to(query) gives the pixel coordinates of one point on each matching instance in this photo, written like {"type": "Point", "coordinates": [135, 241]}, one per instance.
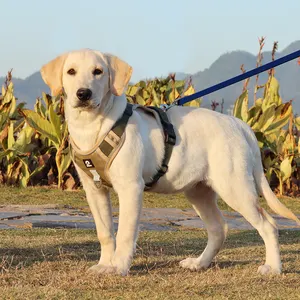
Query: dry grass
{"type": "Point", "coordinates": [51, 264]}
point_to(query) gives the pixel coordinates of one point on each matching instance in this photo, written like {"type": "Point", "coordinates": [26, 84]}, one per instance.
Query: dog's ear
{"type": "Point", "coordinates": [120, 74]}
{"type": "Point", "coordinates": [52, 74]}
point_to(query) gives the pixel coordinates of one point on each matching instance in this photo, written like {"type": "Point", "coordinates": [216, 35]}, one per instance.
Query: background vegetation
{"type": "Point", "coordinates": [34, 146]}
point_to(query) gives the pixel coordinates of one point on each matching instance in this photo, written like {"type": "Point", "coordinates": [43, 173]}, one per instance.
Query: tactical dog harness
{"type": "Point", "coordinates": [96, 162]}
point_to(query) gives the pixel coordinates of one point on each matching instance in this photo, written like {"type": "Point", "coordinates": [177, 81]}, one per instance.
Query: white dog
{"type": "Point", "coordinates": [214, 154]}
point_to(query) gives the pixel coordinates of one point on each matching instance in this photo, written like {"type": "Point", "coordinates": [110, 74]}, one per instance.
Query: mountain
{"type": "Point", "coordinates": [28, 89]}
{"type": "Point", "coordinates": [226, 66]}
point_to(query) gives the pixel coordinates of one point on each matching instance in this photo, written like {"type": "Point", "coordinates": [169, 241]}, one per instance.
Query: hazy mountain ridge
{"type": "Point", "coordinates": [225, 67]}
{"type": "Point", "coordinates": [228, 65]}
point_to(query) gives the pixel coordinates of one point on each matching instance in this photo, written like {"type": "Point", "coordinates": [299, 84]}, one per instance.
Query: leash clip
{"type": "Point", "coordinates": [166, 107]}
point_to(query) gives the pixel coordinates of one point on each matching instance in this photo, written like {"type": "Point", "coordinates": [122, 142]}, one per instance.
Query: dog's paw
{"type": "Point", "coordinates": [102, 269]}
{"type": "Point", "coordinates": [122, 264]}
{"type": "Point", "coordinates": [119, 268]}
{"type": "Point", "coordinates": [268, 270]}
{"type": "Point", "coordinates": [193, 264]}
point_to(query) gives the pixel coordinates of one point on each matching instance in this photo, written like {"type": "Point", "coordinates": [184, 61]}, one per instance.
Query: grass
{"type": "Point", "coordinates": [76, 199]}
{"type": "Point", "coordinates": [51, 264]}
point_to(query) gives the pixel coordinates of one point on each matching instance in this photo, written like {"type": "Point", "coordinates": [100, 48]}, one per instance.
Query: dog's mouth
{"type": "Point", "coordinates": [86, 105]}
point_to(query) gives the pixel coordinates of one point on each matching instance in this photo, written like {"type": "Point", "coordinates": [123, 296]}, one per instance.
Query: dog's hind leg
{"type": "Point", "coordinates": [203, 199]}
{"type": "Point", "coordinates": [240, 193]}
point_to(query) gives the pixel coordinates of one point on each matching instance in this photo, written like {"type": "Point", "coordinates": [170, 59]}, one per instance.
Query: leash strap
{"type": "Point", "coordinates": [238, 78]}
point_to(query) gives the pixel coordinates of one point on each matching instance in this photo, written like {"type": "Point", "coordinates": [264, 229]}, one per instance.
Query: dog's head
{"type": "Point", "coordinates": [86, 76]}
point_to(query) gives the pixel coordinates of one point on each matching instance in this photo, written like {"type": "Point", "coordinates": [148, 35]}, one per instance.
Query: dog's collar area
{"type": "Point", "coordinates": [96, 163]}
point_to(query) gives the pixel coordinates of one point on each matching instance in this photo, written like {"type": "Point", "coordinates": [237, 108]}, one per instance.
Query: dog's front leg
{"type": "Point", "coordinates": [130, 200]}
{"type": "Point", "coordinates": [100, 205]}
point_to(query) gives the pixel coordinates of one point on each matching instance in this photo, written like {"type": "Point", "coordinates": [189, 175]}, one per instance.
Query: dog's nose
{"type": "Point", "coordinates": [84, 94]}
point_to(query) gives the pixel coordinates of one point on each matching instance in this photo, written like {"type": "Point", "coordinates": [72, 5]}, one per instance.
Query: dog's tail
{"type": "Point", "coordinates": [264, 188]}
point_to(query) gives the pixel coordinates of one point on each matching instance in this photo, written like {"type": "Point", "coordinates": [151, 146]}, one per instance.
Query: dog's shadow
{"type": "Point", "coordinates": [169, 267]}
{"type": "Point", "coordinates": [153, 255]}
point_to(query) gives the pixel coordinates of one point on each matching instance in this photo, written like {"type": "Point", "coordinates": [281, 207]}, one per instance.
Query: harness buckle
{"type": "Point", "coordinates": [163, 169]}
{"type": "Point", "coordinates": [164, 107]}
{"type": "Point", "coordinates": [96, 178]}
{"type": "Point", "coordinates": [169, 138]}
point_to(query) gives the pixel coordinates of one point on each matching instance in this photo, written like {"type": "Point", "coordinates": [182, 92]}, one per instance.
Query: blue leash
{"type": "Point", "coordinates": [238, 78]}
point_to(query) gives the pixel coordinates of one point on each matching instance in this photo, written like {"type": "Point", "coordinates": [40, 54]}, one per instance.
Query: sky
{"type": "Point", "coordinates": [154, 37]}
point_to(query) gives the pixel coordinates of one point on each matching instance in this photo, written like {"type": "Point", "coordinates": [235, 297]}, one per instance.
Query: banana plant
{"type": "Point", "coordinates": [268, 115]}
{"type": "Point", "coordinates": [49, 123]}
{"type": "Point", "coordinates": [160, 91]}
{"type": "Point", "coordinates": [13, 139]}
{"type": "Point", "coordinates": [268, 118]}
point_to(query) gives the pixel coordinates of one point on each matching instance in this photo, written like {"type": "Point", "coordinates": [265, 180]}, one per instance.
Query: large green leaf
{"type": "Point", "coordinates": [258, 102]}
{"type": "Point", "coordinates": [281, 117]}
{"type": "Point", "coordinates": [10, 137]}
{"type": "Point", "coordinates": [3, 119]}
{"type": "Point", "coordinates": [280, 144]}
{"type": "Point", "coordinates": [132, 90]}
{"type": "Point", "coordinates": [25, 173]}
{"type": "Point", "coordinates": [189, 91]}
{"type": "Point", "coordinates": [40, 108]}
{"type": "Point", "coordinates": [156, 100]}
{"type": "Point", "coordinates": [266, 118]}
{"type": "Point", "coordinates": [145, 94]}
{"type": "Point", "coordinates": [3, 90]}
{"type": "Point", "coordinates": [286, 169]}
{"type": "Point", "coordinates": [240, 109]}
{"type": "Point", "coordinates": [41, 125]}
{"type": "Point", "coordinates": [260, 139]}
{"type": "Point", "coordinates": [288, 144]}
{"type": "Point", "coordinates": [297, 122]}
{"type": "Point", "coordinates": [271, 94]}
{"type": "Point", "coordinates": [8, 94]}
{"type": "Point", "coordinates": [251, 114]}
{"type": "Point", "coordinates": [140, 100]}
{"type": "Point", "coordinates": [65, 162]}
{"type": "Point", "coordinates": [55, 121]}
{"type": "Point", "coordinates": [173, 95]}
{"type": "Point", "coordinates": [23, 139]}
{"type": "Point", "coordinates": [268, 162]}
{"type": "Point", "coordinates": [13, 105]}
{"type": "Point", "coordinates": [48, 101]}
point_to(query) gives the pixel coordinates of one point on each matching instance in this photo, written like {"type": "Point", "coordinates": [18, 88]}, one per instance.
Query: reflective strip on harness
{"type": "Point", "coordinates": [97, 162]}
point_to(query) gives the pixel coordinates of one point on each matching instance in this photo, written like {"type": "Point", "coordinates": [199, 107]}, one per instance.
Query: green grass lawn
{"type": "Point", "coordinates": [76, 199]}
{"type": "Point", "coordinates": [52, 264]}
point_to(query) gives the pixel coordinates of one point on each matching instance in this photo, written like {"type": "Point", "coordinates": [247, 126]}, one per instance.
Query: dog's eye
{"type": "Point", "coordinates": [97, 71]}
{"type": "Point", "coordinates": [71, 72]}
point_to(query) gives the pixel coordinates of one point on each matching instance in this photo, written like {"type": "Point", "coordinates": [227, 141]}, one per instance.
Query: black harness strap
{"type": "Point", "coordinates": [121, 124]}
{"type": "Point", "coordinates": [170, 141]}
{"type": "Point", "coordinates": [118, 129]}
